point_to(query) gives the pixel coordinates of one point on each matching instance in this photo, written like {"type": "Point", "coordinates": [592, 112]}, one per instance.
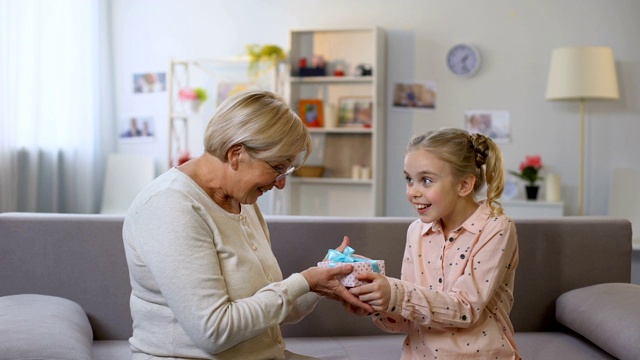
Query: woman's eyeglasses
{"type": "Point", "coordinates": [282, 175]}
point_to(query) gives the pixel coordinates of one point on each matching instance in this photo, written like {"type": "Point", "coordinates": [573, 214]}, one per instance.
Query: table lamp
{"type": "Point", "coordinates": [580, 73]}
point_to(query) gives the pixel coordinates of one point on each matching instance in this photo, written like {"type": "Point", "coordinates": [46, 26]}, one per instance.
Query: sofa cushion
{"type": "Point", "coordinates": [43, 327]}
{"type": "Point", "coordinates": [111, 349]}
{"type": "Point", "coordinates": [371, 347]}
{"type": "Point", "coordinates": [546, 345]}
{"type": "Point", "coordinates": [606, 314]}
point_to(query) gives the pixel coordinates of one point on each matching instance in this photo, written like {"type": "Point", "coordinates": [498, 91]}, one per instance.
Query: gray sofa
{"type": "Point", "coordinates": [560, 310]}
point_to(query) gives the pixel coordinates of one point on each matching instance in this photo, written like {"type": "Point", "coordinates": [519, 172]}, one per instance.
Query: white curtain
{"type": "Point", "coordinates": [55, 104]}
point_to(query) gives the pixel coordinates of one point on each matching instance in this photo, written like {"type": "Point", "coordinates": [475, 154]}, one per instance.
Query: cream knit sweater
{"type": "Point", "coordinates": [205, 283]}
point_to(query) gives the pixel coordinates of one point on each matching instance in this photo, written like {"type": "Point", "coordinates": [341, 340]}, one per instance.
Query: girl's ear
{"type": "Point", "coordinates": [466, 185]}
{"type": "Point", "coordinates": [233, 155]}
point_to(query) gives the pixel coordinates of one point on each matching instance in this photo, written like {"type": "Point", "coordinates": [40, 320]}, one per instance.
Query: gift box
{"type": "Point", "coordinates": [358, 268]}
{"type": "Point", "coordinates": [360, 265]}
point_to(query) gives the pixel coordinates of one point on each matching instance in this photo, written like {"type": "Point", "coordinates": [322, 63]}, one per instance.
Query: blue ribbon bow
{"type": "Point", "coordinates": [336, 256]}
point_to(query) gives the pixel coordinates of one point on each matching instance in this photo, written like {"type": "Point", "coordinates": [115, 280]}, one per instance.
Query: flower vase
{"type": "Point", "coordinates": [532, 192]}
{"type": "Point", "coordinates": [196, 106]}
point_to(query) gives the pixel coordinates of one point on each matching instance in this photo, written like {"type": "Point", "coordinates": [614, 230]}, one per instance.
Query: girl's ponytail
{"type": "Point", "coordinates": [487, 153]}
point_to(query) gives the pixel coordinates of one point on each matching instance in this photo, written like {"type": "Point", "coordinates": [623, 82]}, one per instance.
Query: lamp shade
{"type": "Point", "coordinates": [582, 73]}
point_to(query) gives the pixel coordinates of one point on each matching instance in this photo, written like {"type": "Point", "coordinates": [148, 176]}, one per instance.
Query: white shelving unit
{"type": "Point", "coordinates": [525, 209]}
{"type": "Point", "coordinates": [186, 125]}
{"type": "Point", "coordinates": [337, 193]}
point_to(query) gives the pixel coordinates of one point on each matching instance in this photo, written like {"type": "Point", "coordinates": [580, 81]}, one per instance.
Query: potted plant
{"type": "Point", "coordinates": [269, 54]}
{"type": "Point", "coordinates": [529, 172]}
{"type": "Point", "coordinates": [196, 97]}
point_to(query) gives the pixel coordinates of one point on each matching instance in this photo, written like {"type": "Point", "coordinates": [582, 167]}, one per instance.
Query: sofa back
{"type": "Point", "coordinates": [81, 258]}
{"type": "Point", "coordinates": [556, 255]}
{"type": "Point", "coordinates": [77, 257]}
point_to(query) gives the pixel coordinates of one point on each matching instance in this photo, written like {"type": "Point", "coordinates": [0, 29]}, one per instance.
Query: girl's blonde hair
{"type": "Point", "coordinates": [466, 153]}
{"type": "Point", "coordinates": [263, 123]}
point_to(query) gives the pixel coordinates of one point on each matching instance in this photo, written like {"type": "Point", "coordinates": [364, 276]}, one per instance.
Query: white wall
{"type": "Point", "coordinates": [515, 39]}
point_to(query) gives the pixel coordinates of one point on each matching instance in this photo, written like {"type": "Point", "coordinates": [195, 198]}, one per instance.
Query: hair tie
{"type": "Point", "coordinates": [480, 159]}
{"type": "Point", "coordinates": [480, 150]}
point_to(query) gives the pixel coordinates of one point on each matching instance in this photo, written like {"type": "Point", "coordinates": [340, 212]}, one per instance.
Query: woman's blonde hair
{"type": "Point", "coordinates": [466, 153]}
{"type": "Point", "coordinates": [263, 123]}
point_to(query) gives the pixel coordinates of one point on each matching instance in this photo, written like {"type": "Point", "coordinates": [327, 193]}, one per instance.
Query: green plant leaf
{"type": "Point", "coordinates": [201, 94]}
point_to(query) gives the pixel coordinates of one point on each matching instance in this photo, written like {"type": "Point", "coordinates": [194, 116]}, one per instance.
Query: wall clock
{"type": "Point", "coordinates": [463, 60]}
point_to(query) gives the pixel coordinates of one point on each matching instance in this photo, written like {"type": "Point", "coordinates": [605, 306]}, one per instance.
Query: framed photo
{"type": "Point", "coordinates": [355, 111]}
{"type": "Point", "coordinates": [494, 124]}
{"type": "Point", "coordinates": [136, 128]}
{"type": "Point", "coordinates": [149, 82]}
{"type": "Point", "coordinates": [311, 112]}
{"type": "Point", "coordinates": [417, 95]}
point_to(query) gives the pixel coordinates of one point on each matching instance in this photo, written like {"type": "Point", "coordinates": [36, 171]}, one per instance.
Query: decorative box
{"type": "Point", "coordinates": [360, 265]}
{"type": "Point", "coordinates": [311, 71]}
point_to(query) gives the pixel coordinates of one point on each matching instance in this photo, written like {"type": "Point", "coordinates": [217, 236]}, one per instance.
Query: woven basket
{"type": "Point", "coordinates": [309, 171]}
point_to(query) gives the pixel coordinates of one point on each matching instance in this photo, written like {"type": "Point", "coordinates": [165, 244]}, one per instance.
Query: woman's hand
{"type": "Point", "coordinates": [355, 310]}
{"type": "Point", "coordinates": [323, 281]}
{"type": "Point", "coordinates": [377, 293]}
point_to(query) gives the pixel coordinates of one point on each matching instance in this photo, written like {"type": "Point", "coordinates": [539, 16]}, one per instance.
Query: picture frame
{"type": "Point", "coordinates": [491, 123]}
{"type": "Point", "coordinates": [136, 128]}
{"type": "Point", "coordinates": [149, 82]}
{"type": "Point", "coordinates": [415, 95]}
{"type": "Point", "coordinates": [355, 111]}
{"type": "Point", "coordinates": [311, 112]}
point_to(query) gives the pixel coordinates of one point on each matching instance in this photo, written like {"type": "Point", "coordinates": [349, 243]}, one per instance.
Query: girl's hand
{"type": "Point", "coordinates": [345, 243]}
{"type": "Point", "coordinates": [377, 293]}
{"type": "Point", "coordinates": [355, 310]}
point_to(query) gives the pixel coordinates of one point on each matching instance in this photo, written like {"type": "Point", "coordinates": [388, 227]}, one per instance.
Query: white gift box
{"type": "Point", "coordinates": [358, 268]}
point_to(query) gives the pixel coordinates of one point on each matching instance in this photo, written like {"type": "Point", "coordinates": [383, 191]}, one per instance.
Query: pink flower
{"type": "Point", "coordinates": [187, 94]}
{"type": "Point", "coordinates": [529, 169]}
{"type": "Point", "coordinates": [532, 161]}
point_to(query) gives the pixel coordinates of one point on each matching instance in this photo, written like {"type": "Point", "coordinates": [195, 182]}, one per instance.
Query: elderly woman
{"type": "Point", "coordinates": [205, 283]}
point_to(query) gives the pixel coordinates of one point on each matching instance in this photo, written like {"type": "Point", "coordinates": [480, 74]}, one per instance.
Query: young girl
{"type": "Point", "coordinates": [456, 290]}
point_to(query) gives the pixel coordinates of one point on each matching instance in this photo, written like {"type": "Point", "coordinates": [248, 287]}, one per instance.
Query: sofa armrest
{"type": "Point", "coordinates": [606, 314]}
{"type": "Point", "coordinates": [43, 327]}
